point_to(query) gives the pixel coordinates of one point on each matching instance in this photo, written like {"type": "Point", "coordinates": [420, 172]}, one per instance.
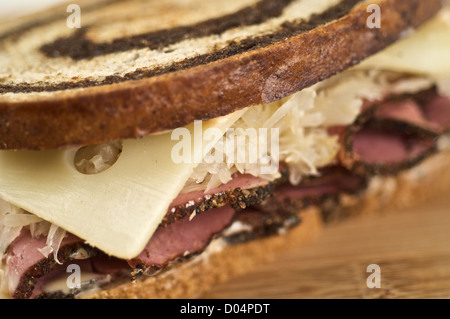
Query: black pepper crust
{"type": "Point", "coordinates": [237, 198]}
{"type": "Point", "coordinates": [410, 131]}
{"type": "Point", "coordinates": [28, 281]}
{"type": "Point", "coordinates": [328, 203]}
{"type": "Point", "coordinates": [353, 162]}
{"type": "Point", "coordinates": [263, 223]}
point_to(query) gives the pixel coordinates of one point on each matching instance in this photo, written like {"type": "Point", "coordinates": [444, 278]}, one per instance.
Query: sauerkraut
{"type": "Point", "coordinates": [303, 121]}
{"type": "Point", "coordinates": [14, 219]}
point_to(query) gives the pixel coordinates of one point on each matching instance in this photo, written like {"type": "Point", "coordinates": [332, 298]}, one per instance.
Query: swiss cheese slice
{"type": "Point", "coordinates": [426, 51]}
{"type": "Point", "coordinates": [117, 210]}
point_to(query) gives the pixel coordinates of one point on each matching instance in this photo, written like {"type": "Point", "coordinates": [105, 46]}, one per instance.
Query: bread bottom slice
{"type": "Point", "coordinates": [219, 262]}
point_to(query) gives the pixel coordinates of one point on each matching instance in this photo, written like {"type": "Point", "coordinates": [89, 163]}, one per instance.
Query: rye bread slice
{"type": "Point", "coordinates": [140, 67]}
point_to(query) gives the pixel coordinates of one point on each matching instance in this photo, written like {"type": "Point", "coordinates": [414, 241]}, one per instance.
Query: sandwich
{"type": "Point", "coordinates": [151, 149]}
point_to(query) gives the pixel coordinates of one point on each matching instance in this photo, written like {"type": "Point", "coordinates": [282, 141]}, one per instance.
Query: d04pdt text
{"type": "Point", "coordinates": [249, 308]}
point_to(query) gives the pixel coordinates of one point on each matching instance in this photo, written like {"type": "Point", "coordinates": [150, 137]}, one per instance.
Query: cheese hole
{"type": "Point", "coordinates": [94, 159]}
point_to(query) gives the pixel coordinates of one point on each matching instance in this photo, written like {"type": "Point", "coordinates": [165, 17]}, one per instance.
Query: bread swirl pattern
{"type": "Point", "coordinates": [227, 35]}
{"type": "Point", "coordinates": [141, 91]}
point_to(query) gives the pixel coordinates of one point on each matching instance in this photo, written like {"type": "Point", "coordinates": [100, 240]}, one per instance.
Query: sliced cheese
{"type": "Point", "coordinates": [117, 210]}
{"type": "Point", "coordinates": [425, 52]}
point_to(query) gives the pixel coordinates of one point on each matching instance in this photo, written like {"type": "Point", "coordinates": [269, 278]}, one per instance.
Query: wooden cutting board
{"type": "Point", "coordinates": [411, 248]}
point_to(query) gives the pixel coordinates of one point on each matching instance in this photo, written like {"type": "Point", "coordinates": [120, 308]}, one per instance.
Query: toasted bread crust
{"type": "Point", "coordinates": [137, 108]}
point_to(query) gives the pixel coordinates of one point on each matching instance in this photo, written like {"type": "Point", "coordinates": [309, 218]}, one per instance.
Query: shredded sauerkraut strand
{"type": "Point", "coordinates": [13, 219]}
{"type": "Point", "coordinates": [54, 238]}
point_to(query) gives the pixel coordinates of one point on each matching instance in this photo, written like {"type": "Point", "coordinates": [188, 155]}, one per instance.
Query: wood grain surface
{"type": "Point", "coordinates": [412, 248]}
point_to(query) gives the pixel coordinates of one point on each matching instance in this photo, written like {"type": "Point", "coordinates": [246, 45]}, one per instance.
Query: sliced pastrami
{"type": "Point", "coordinates": [407, 111]}
{"type": "Point", "coordinates": [331, 180]}
{"type": "Point", "coordinates": [394, 135]}
{"type": "Point", "coordinates": [426, 109]}
{"type": "Point", "coordinates": [26, 264]}
{"type": "Point", "coordinates": [378, 145]}
{"type": "Point", "coordinates": [182, 238]}
{"type": "Point", "coordinates": [242, 191]}
{"type": "Point", "coordinates": [437, 110]}
{"type": "Point", "coordinates": [188, 237]}
{"type": "Point", "coordinates": [108, 264]}
{"type": "Point", "coordinates": [256, 222]}
{"type": "Point", "coordinates": [179, 240]}
{"type": "Point", "coordinates": [32, 271]}
{"type": "Point", "coordinates": [323, 191]}
{"type": "Point", "coordinates": [56, 274]}
{"type": "Point", "coordinates": [385, 147]}
{"type": "Point", "coordinates": [95, 272]}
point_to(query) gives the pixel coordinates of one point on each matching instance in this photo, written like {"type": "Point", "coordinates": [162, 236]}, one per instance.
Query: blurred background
{"type": "Point", "coordinates": [11, 9]}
